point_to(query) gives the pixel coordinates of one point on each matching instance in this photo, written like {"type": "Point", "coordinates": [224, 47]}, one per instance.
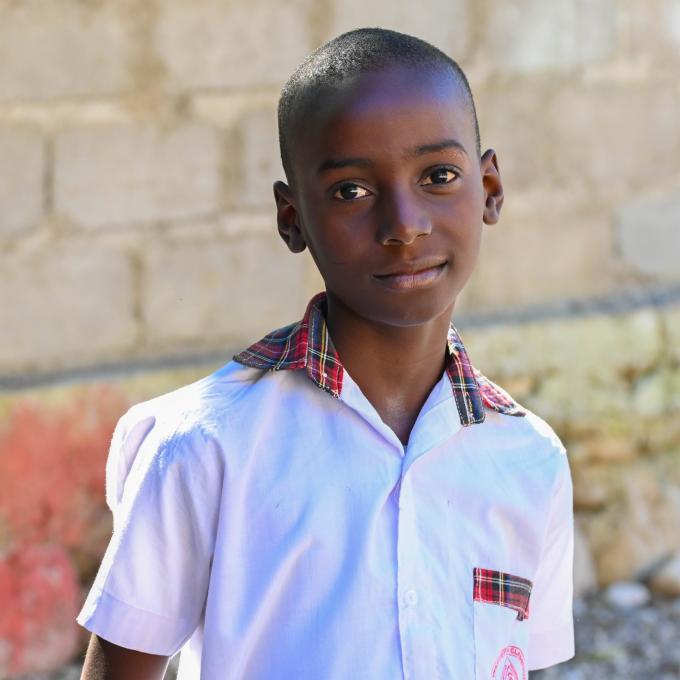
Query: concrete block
{"type": "Point", "coordinates": [544, 249]}
{"type": "Point", "coordinates": [448, 25]}
{"type": "Point", "coordinates": [220, 293]}
{"type": "Point", "coordinates": [63, 308]}
{"type": "Point", "coordinates": [530, 36]}
{"type": "Point", "coordinates": [108, 176]}
{"type": "Point", "coordinates": [671, 21]}
{"type": "Point", "coordinates": [22, 161]}
{"type": "Point", "coordinates": [256, 165]}
{"type": "Point", "coordinates": [512, 121]}
{"type": "Point", "coordinates": [648, 36]}
{"type": "Point", "coordinates": [253, 161]}
{"type": "Point", "coordinates": [222, 43]}
{"type": "Point", "coordinates": [648, 232]}
{"type": "Point", "coordinates": [62, 48]}
{"type": "Point", "coordinates": [612, 140]}
{"type": "Point", "coordinates": [224, 109]}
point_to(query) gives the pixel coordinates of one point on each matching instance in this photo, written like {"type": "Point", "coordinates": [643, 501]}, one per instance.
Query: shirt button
{"type": "Point", "coordinates": [411, 597]}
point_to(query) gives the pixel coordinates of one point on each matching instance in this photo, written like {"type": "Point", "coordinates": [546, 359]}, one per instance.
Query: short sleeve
{"type": "Point", "coordinates": [551, 632]}
{"type": "Point", "coordinates": [164, 492]}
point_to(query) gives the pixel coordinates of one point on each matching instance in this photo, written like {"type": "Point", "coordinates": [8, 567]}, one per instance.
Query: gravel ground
{"type": "Point", "coordinates": [641, 643]}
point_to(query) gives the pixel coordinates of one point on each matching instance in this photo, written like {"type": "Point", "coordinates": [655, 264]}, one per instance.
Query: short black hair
{"type": "Point", "coordinates": [351, 54]}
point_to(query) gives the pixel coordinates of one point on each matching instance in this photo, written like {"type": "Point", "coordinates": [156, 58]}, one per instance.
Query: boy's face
{"type": "Point", "coordinates": [389, 194]}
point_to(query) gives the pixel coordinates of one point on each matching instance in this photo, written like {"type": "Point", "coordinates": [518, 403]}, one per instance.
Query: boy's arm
{"type": "Point", "coordinates": [164, 483]}
{"type": "Point", "coordinates": [106, 661]}
{"type": "Point", "coordinates": [551, 621]}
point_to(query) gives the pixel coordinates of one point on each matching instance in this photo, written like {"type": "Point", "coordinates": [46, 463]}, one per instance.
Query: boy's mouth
{"type": "Point", "coordinates": [412, 275]}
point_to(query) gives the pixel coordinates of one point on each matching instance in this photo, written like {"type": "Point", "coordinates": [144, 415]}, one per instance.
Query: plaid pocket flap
{"type": "Point", "coordinates": [498, 587]}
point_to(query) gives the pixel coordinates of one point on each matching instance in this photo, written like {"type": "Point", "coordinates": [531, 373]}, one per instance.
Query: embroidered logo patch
{"type": "Point", "coordinates": [509, 665]}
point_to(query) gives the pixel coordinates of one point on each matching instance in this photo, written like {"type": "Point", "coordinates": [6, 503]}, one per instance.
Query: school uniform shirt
{"type": "Point", "coordinates": [269, 524]}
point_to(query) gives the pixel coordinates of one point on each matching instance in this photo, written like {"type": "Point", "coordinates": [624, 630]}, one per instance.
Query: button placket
{"type": "Point", "coordinates": [404, 537]}
{"type": "Point", "coordinates": [418, 657]}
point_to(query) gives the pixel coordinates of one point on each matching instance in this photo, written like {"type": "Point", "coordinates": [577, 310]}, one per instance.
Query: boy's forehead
{"type": "Point", "coordinates": [385, 99]}
{"type": "Point", "coordinates": [393, 85]}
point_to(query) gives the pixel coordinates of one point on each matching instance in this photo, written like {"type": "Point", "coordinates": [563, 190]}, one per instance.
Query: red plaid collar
{"type": "Point", "coordinates": [307, 344]}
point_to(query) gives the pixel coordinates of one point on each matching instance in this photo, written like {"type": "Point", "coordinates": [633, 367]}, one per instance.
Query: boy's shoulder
{"type": "Point", "coordinates": [528, 432]}
{"type": "Point", "coordinates": [200, 404]}
{"type": "Point", "coordinates": [177, 429]}
{"type": "Point", "coordinates": [530, 438]}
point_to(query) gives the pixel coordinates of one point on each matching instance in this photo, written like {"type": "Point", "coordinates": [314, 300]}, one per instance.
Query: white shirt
{"type": "Point", "coordinates": [272, 531]}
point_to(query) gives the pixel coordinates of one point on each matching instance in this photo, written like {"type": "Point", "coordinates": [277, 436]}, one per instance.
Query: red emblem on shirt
{"type": "Point", "coordinates": [509, 665]}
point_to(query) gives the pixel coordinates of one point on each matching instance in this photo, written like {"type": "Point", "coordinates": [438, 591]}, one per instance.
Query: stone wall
{"type": "Point", "coordinates": [610, 385]}
{"type": "Point", "coordinates": [138, 248]}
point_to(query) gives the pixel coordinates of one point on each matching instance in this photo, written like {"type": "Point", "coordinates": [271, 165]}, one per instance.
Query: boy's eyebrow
{"type": "Point", "coordinates": [436, 146]}
{"type": "Point", "coordinates": [335, 163]}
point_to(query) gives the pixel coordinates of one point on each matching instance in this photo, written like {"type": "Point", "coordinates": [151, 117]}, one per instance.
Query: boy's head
{"type": "Point", "coordinates": [388, 190]}
{"type": "Point", "coordinates": [349, 56]}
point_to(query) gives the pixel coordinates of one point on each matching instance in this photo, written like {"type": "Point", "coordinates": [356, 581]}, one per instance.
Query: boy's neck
{"type": "Point", "coordinates": [395, 367]}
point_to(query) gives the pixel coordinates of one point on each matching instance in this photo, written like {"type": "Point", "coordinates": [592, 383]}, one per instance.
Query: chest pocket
{"type": "Point", "coordinates": [501, 610]}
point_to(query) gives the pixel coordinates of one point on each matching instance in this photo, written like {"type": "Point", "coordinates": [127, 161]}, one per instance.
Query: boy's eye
{"type": "Point", "coordinates": [440, 176]}
{"type": "Point", "coordinates": [349, 192]}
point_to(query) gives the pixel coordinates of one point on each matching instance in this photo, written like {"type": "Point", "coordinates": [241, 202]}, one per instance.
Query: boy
{"type": "Point", "coordinates": [366, 507]}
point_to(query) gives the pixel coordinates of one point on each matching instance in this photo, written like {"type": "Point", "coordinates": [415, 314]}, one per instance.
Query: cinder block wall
{"type": "Point", "coordinates": [138, 248]}
{"type": "Point", "coordinates": [138, 147]}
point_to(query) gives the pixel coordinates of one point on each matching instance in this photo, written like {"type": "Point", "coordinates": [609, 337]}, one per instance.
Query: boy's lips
{"type": "Point", "coordinates": [407, 276]}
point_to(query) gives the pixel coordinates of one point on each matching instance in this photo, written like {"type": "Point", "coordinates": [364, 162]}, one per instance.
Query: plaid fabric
{"type": "Point", "coordinates": [497, 587]}
{"type": "Point", "coordinates": [307, 344]}
{"type": "Point", "coordinates": [471, 390]}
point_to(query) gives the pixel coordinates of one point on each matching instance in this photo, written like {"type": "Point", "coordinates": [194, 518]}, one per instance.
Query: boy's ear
{"type": "Point", "coordinates": [493, 187]}
{"type": "Point", "coordinates": [287, 218]}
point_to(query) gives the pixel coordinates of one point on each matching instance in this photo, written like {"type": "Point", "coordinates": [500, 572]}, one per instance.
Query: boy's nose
{"type": "Point", "coordinates": [402, 221]}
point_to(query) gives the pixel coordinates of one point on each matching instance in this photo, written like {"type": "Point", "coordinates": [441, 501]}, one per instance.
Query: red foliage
{"type": "Point", "coordinates": [40, 595]}
{"type": "Point", "coordinates": [52, 464]}
{"type": "Point", "coordinates": [53, 522]}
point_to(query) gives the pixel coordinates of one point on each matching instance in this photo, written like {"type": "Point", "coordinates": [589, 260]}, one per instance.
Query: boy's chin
{"type": "Point", "coordinates": [406, 318]}
{"type": "Point", "coordinates": [405, 311]}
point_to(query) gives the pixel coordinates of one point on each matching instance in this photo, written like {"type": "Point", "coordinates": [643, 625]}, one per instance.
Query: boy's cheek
{"type": "Point", "coordinates": [338, 246]}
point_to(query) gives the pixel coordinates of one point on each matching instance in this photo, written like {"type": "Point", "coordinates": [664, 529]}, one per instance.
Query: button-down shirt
{"type": "Point", "coordinates": [271, 525]}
